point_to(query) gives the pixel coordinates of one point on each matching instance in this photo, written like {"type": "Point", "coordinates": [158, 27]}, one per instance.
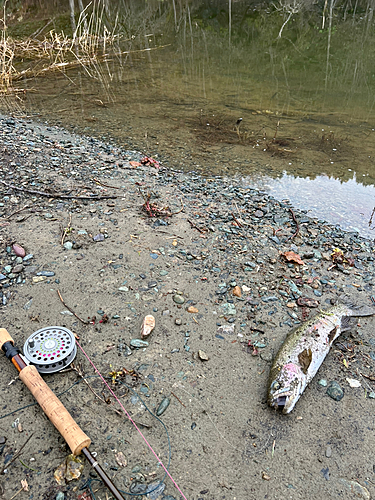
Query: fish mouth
{"type": "Point", "coordinates": [280, 402]}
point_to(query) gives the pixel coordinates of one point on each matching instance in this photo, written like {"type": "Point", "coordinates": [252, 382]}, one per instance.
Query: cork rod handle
{"type": "Point", "coordinates": [51, 405]}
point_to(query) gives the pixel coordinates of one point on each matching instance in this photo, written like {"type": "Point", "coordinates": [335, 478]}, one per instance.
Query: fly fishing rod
{"type": "Point", "coordinates": [76, 439]}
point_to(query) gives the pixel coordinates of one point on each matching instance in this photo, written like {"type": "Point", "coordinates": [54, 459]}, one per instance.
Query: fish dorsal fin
{"type": "Point", "coordinates": [305, 358]}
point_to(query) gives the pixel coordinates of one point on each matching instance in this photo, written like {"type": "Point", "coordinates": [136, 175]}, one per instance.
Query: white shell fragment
{"type": "Point", "coordinates": [147, 326]}
{"type": "Point", "coordinates": [353, 382]}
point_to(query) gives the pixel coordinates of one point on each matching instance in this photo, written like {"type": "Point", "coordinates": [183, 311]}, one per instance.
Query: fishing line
{"type": "Point", "coordinates": [90, 480]}
{"type": "Point", "coordinates": [131, 420]}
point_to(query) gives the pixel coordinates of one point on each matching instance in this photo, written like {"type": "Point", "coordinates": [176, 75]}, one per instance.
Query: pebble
{"type": "Point", "coordinates": [60, 496]}
{"type": "Point", "coordinates": [138, 343]}
{"type": "Point", "coordinates": [355, 489]}
{"type": "Point", "coordinates": [2, 440]}
{"type": "Point", "coordinates": [68, 245]}
{"type": "Point", "coordinates": [323, 382]}
{"type": "Point", "coordinates": [178, 299]}
{"type": "Point", "coordinates": [192, 309]}
{"type": "Point", "coordinates": [154, 490]}
{"type": "Point", "coordinates": [178, 321]}
{"type": "Point", "coordinates": [228, 309]}
{"type": "Point", "coordinates": [163, 406]}
{"type": "Point", "coordinates": [202, 355]}
{"type": "Point", "coordinates": [328, 452]}
{"type": "Point", "coordinates": [226, 329]}
{"type": "Point", "coordinates": [335, 391]}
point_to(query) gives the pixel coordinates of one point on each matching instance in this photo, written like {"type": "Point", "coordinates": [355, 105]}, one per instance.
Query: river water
{"type": "Point", "coordinates": [210, 86]}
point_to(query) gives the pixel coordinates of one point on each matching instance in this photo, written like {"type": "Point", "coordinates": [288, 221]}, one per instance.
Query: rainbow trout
{"type": "Point", "coordinates": [304, 350]}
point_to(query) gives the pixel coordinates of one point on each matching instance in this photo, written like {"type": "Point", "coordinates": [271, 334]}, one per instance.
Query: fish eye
{"type": "Point", "coordinates": [276, 386]}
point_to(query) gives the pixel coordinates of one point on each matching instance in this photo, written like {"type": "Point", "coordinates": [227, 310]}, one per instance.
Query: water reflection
{"type": "Point", "coordinates": [186, 71]}
{"type": "Point", "coordinates": [348, 204]}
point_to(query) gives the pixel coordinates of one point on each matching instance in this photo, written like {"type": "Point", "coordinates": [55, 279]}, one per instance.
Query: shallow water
{"type": "Point", "coordinates": [184, 81]}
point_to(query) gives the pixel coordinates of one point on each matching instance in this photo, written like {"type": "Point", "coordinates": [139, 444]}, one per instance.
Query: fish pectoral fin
{"type": "Point", "coordinates": [347, 323]}
{"type": "Point", "coordinates": [305, 358]}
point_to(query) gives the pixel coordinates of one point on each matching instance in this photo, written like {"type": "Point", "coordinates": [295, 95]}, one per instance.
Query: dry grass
{"type": "Point", "coordinates": [91, 44]}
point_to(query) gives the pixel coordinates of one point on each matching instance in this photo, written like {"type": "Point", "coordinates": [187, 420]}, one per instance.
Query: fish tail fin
{"type": "Point", "coordinates": [363, 310]}
{"type": "Point", "coordinates": [356, 310]}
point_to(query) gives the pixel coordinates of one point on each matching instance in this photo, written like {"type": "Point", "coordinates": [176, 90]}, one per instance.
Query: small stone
{"type": "Point", "coordinates": [228, 309]}
{"type": "Point", "coordinates": [178, 321]}
{"type": "Point", "coordinates": [203, 356]}
{"type": "Point", "coordinates": [123, 289]}
{"type": "Point", "coordinates": [99, 237]}
{"type": "Point", "coordinates": [226, 329]}
{"type": "Point", "coordinates": [18, 250]}
{"type": "Point", "coordinates": [178, 299]}
{"type": "Point", "coordinates": [163, 406]}
{"type": "Point", "coordinates": [335, 391]}
{"type": "Point", "coordinates": [60, 496]}
{"type": "Point", "coordinates": [147, 326]}
{"type": "Point", "coordinates": [353, 382]}
{"type": "Point", "coordinates": [192, 309]}
{"type": "Point", "coordinates": [17, 269]}
{"type": "Point", "coordinates": [236, 291]}
{"type": "Point", "coordinates": [48, 274]}
{"type": "Point", "coordinates": [2, 440]}
{"type": "Point", "coordinates": [355, 489]}
{"type": "Point", "coordinates": [328, 452]}
{"type": "Point", "coordinates": [38, 279]}
{"type": "Point", "coordinates": [323, 382]}
{"type": "Point", "coordinates": [265, 476]}
{"type": "Point", "coordinates": [138, 343]}
{"type": "Point", "coordinates": [154, 490]}
{"type": "Point", "coordinates": [28, 257]}
{"type": "Point", "coordinates": [68, 245]}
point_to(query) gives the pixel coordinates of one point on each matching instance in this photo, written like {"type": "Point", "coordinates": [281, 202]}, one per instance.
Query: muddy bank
{"type": "Point", "coordinates": [205, 257]}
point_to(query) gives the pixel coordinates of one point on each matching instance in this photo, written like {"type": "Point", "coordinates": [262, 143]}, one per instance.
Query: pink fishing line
{"type": "Point", "coordinates": [132, 421]}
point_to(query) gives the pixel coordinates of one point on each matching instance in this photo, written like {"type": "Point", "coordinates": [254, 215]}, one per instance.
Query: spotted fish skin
{"type": "Point", "coordinates": [303, 352]}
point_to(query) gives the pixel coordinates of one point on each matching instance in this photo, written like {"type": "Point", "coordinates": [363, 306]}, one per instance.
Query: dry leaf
{"type": "Point", "coordinates": [24, 485]}
{"type": "Point", "coordinates": [120, 459]}
{"type": "Point", "coordinates": [293, 257]}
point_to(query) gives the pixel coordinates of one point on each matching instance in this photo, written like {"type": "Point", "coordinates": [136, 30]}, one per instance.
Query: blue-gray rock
{"type": "Point", "coordinates": [228, 309]}
{"type": "Point", "coordinates": [138, 343]}
{"type": "Point", "coordinates": [335, 391]}
{"type": "Point", "coordinates": [68, 245]}
{"type": "Point", "coordinates": [60, 496]}
{"type": "Point", "coordinates": [155, 489]}
{"type": "Point", "coordinates": [46, 273]}
{"type": "Point", "coordinates": [163, 406]}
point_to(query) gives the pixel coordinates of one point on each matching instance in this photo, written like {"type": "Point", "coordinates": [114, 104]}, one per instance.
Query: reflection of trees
{"type": "Point", "coordinates": [277, 58]}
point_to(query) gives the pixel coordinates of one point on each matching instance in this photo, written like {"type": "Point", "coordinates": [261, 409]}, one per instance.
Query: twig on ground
{"type": "Point", "coordinates": [372, 216]}
{"type": "Point", "coordinates": [195, 227]}
{"type": "Point", "coordinates": [104, 185]}
{"type": "Point", "coordinates": [17, 211]}
{"type": "Point", "coordinates": [178, 399]}
{"type": "Point", "coordinates": [58, 195]}
{"type": "Point", "coordinates": [297, 229]}
{"type": "Point", "coordinates": [71, 310]}
{"type": "Point", "coordinates": [18, 453]}
{"type": "Point", "coordinates": [236, 221]}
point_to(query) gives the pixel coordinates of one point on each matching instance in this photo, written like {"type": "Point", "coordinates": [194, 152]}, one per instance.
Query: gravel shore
{"type": "Point", "coordinates": [227, 272]}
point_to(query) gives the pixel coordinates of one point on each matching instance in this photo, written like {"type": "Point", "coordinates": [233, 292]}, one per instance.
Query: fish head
{"type": "Point", "coordinates": [286, 388]}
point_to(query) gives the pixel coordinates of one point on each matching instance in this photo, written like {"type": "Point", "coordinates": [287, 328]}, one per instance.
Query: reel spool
{"type": "Point", "coordinates": [50, 349]}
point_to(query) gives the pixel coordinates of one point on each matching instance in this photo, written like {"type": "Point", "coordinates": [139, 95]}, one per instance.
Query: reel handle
{"type": "Point", "coordinates": [50, 404]}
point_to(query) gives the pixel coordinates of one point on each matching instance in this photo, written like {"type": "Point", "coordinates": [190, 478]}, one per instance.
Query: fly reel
{"type": "Point", "coordinates": [50, 349]}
